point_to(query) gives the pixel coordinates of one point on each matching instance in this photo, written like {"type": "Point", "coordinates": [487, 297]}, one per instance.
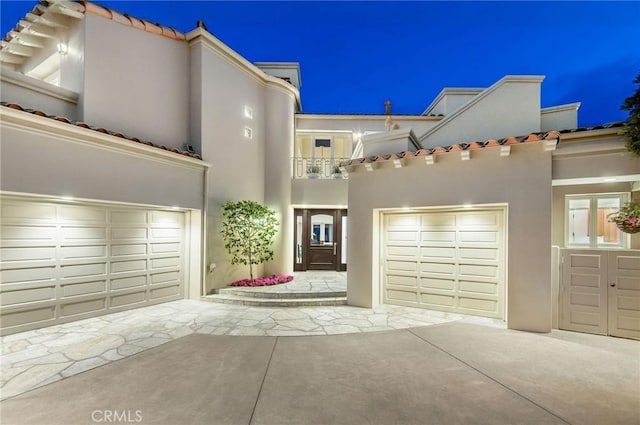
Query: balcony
{"type": "Point", "coordinates": [317, 168]}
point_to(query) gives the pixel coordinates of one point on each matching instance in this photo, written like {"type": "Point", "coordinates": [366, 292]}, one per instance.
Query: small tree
{"type": "Point", "coordinates": [632, 127]}
{"type": "Point", "coordinates": [248, 229]}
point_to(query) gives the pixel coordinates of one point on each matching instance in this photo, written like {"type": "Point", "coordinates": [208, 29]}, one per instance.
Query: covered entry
{"type": "Point", "coordinates": [445, 260]}
{"type": "Point", "coordinates": [65, 260]}
{"type": "Point", "coordinates": [320, 240]}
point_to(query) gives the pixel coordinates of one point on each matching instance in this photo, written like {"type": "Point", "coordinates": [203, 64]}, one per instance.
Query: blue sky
{"type": "Point", "coordinates": [355, 55]}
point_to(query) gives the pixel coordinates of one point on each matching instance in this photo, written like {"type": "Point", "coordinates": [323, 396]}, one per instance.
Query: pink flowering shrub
{"type": "Point", "coordinates": [264, 281]}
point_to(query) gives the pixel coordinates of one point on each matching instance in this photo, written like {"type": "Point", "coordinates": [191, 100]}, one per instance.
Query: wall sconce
{"type": "Point", "coordinates": [248, 112]}
{"type": "Point", "coordinates": [63, 48]}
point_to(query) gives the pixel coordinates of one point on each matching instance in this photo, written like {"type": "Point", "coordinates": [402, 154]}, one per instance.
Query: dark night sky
{"type": "Point", "coordinates": [354, 55]}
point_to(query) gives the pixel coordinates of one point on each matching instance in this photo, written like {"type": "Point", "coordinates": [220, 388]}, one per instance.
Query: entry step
{"type": "Point", "coordinates": [274, 293]}
{"type": "Point", "coordinates": [226, 298]}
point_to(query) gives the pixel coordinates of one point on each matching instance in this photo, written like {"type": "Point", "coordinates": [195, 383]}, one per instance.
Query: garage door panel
{"type": "Point", "coordinates": [128, 299]}
{"type": "Point", "coordinates": [27, 295]}
{"type": "Point", "coordinates": [438, 220]}
{"type": "Point", "coordinates": [128, 250]}
{"type": "Point", "coordinates": [427, 252]}
{"type": "Point", "coordinates": [395, 295]}
{"type": "Point", "coordinates": [129, 233]}
{"type": "Point", "coordinates": [461, 263]}
{"type": "Point", "coordinates": [478, 253]}
{"type": "Point", "coordinates": [26, 234]}
{"type": "Point", "coordinates": [438, 268]}
{"type": "Point", "coordinates": [169, 276]}
{"type": "Point", "coordinates": [129, 217]}
{"type": "Point", "coordinates": [395, 265]}
{"type": "Point", "coordinates": [478, 305]}
{"type": "Point", "coordinates": [469, 236]}
{"type": "Point", "coordinates": [401, 236]}
{"type": "Point", "coordinates": [400, 280]}
{"type": "Point", "coordinates": [438, 238]}
{"type": "Point", "coordinates": [42, 316]}
{"type": "Point", "coordinates": [27, 253]}
{"type": "Point", "coordinates": [490, 288]}
{"type": "Point", "coordinates": [165, 233]}
{"type": "Point", "coordinates": [70, 252]}
{"type": "Point", "coordinates": [165, 292]}
{"type": "Point", "coordinates": [74, 289]}
{"type": "Point", "coordinates": [128, 266]}
{"type": "Point", "coordinates": [162, 263]}
{"type": "Point", "coordinates": [63, 262]}
{"type": "Point", "coordinates": [475, 220]}
{"type": "Point", "coordinates": [82, 214]}
{"type": "Point", "coordinates": [27, 212]}
{"type": "Point", "coordinates": [433, 283]}
{"type": "Point", "coordinates": [440, 300]}
{"type": "Point", "coordinates": [82, 307]}
{"type": "Point", "coordinates": [83, 270]}
{"type": "Point", "coordinates": [83, 233]}
{"type": "Point", "coordinates": [128, 282]}
{"type": "Point", "coordinates": [33, 274]}
{"type": "Point", "coordinates": [165, 248]}
{"type": "Point", "coordinates": [409, 221]}
{"type": "Point", "coordinates": [479, 270]}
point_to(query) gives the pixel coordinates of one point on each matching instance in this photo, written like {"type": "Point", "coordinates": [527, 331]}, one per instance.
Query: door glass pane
{"type": "Point", "coordinates": [578, 222]}
{"type": "Point", "coordinates": [344, 240]}
{"type": "Point", "coordinates": [299, 239]}
{"type": "Point", "coordinates": [608, 233]}
{"type": "Point", "coordinates": [321, 229]}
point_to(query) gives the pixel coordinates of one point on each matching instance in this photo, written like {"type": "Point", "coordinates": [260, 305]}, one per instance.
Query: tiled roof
{"type": "Point", "coordinates": [99, 129]}
{"type": "Point", "coordinates": [595, 127]}
{"type": "Point", "coordinates": [123, 18]}
{"type": "Point", "coordinates": [507, 141]}
{"type": "Point", "coordinates": [105, 12]}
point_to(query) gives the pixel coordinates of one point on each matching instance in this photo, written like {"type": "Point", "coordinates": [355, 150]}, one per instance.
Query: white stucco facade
{"type": "Point", "coordinates": [236, 129]}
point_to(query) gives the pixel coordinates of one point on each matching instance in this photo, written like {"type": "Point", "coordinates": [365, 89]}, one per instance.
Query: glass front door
{"type": "Point", "coordinates": [320, 239]}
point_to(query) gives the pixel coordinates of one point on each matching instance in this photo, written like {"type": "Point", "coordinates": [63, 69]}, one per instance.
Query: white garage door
{"type": "Point", "coordinates": [64, 261]}
{"type": "Point", "coordinates": [448, 261]}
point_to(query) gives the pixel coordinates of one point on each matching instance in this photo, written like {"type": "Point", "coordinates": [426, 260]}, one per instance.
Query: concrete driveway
{"type": "Point", "coordinates": [452, 373]}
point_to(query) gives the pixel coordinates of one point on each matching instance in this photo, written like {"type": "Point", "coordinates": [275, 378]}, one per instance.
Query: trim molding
{"type": "Point", "coordinates": [18, 79]}
{"type": "Point", "coordinates": [31, 123]}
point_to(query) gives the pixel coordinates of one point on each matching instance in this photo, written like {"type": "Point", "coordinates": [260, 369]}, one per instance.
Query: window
{"type": "Point", "coordinates": [586, 223]}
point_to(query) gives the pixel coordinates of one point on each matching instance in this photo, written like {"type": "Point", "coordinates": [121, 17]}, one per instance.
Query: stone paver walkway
{"type": "Point", "coordinates": [38, 357]}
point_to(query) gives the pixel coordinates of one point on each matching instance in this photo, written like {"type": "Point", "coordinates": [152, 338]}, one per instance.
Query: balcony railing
{"type": "Point", "coordinates": [314, 168]}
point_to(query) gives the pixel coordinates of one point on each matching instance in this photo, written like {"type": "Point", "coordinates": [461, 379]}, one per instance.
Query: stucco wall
{"type": "Point", "coordinates": [309, 192]}
{"type": "Point", "coordinates": [220, 89]}
{"type": "Point", "coordinates": [33, 162]}
{"type": "Point", "coordinates": [279, 140]}
{"type": "Point", "coordinates": [510, 108]}
{"type": "Point", "coordinates": [136, 82]}
{"type": "Point", "coordinates": [522, 180]}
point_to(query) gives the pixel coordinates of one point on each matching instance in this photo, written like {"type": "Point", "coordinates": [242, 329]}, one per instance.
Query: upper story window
{"type": "Point", "coordinates": [586, 223]}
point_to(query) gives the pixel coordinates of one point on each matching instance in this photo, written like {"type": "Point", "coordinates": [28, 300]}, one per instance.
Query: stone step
{"type": "Point", "coordinates": [264, 292]}
{"type": "Point", "coordinates": [274, 302]}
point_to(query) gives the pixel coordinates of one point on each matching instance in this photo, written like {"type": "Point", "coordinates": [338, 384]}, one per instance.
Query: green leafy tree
{"type": "Point", "coordinates": [248, 229]}
{"type": "Point", "coordinates": [632, 127]}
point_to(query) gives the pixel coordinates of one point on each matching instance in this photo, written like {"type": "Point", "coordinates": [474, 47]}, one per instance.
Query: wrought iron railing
{"type": "Point", "coordinates": [317, 168]}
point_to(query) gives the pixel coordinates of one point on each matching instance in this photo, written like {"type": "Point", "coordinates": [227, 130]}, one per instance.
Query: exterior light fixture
{"type": "Point", "coordinates": [63, 48]}
{"type": "Point", "coordinates": [248, 112]}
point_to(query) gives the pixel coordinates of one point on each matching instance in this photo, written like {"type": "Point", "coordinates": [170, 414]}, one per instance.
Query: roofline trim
{"type": "Point", "coordinates": [451, 90]}
{"type": "Point", "coordinates": [537, 79]}
{"type": "Point", "coordinates": [206, 38]}
{"type": "Point", "coordinates": [561, 108]}
{"type": "Point", "coordinates": [32, 123]}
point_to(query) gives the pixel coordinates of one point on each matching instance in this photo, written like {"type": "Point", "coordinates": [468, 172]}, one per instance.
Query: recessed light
{"type": "Point", "coordinates": [610, 179]}
{"type": "Point", "coordinates": [67, 198]}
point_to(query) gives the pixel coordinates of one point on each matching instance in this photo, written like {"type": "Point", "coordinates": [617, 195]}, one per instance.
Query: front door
{"type": "Point", "coordinates": [320, 239]}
